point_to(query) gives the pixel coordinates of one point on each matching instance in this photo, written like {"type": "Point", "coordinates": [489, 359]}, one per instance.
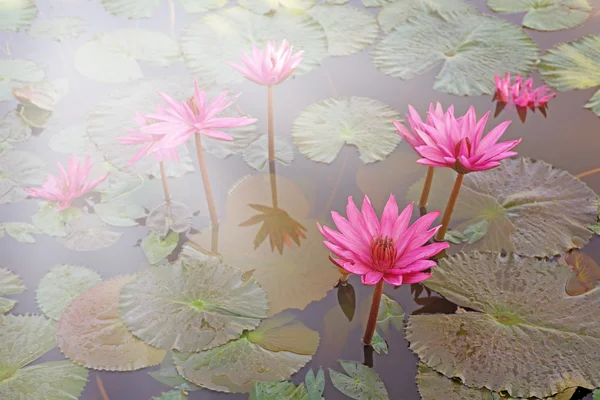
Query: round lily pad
{"type": "Point", "coordinates": [17, 72]}
{"type": "Point", "coordinates": [21, 231]}
{"type": "Point", "coordinates": [113, 57]}
{"type": "Point", "coordinates": [169, 216]}
{"type": "Point", "coordinates": [16, 14]}
{"type": "Point", "coordinates": [397, 12]}
{"type": "Point", "coordinates": [61, 285]}
{"type": "Point", "coordinates": [216, 38]}
{"type": "Point", "coordinates": [192, 306]}
{"type": "Point", "coordinates": [44, 94]}
{"type": "Point", "coordinates": [361, 383]}
{"type": "Point", "coordinates": [88, 233]}
{"type": "Point", "coordinates": [278, 348]}
{"type": "Point", "coordinates": [526, 335]}
{"type": "Point", "coordinates": [137, 9]}
{"type": "Point", "coordinates": [13, 128]}
{"type": "Point", "coordinates": [10, 283]}
{"type": "Point", "coordinates": [546, 15]}
{"type": "Point", "coordinates": [157, 248]}
{"type": "Point", "coordinates": [574, 65]}
{"type": "Point", "coordinates": [57, 29]}
{"type": "Point", "coordinates": [271, 6]}
{"type": "Point", "coordinates": [91, 333]}
{"type": "Point", "coordinates": [119, 213]}
{"type": "Point", "coordinates": [348, 29]}
{"type": "Point", "coordinates": [19, 169]}
{"type": "Point", "coordinates": [323, 128]}
{"type": "Point", "coordinates": [257, 154]}
{"type": "Point", "coordinates": [471, 47]}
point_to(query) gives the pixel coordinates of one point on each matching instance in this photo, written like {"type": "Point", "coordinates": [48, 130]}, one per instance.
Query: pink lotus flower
{"type": "Point", "coordinates": [390, 250]}
{"type": "Point", "coordinates": [414, 120]}
{"type": "Point", "coordinates": [521, 94]}
{"type": "Point", "coordinates": [270, 66]}
{"type": "Point", "coordinates": [181, 120]}
{"type": "Point", "coordinates": [458, 143]}
{"type": "Point", "coordinates": [70, 186]}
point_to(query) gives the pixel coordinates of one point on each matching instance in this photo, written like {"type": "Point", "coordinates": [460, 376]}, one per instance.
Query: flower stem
{"type": "Point", "coordinates": [426, 188]}
{"type": "Point", "coordinates": [165, 184]}
{"type": "Point", "coordinates": [273, 183]}
{"type": "Point", "coordinates": [372, 324]}
{"type": "Point", "coordinates": [271, 125]}
{"type": "Point", "coordinates": [449, 208]}
{"type": "Point", "coordinates": [212, 209]}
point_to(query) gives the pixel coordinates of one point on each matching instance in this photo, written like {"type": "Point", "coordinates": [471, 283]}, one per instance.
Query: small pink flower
{"type": "Point", "coordinates": [415, 121]}
{"type": "Point", "coordinates": [71, 185]}
{"type": "Point", "coordinates": [270, 66]}
{"type": "Point", "coordinates": [181, 120]}
{"type": "Point", "coordinates": [521, 93]}
{"type": "Point", "coordinates": [458, 143]}
{"type": "Point", "coordinates": [390, 250]}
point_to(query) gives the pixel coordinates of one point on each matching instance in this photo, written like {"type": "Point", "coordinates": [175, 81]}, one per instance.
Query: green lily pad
{"type": "Point", "coordinates": [21, 231]}
{"type": "Point", "coordinates": [61, 285]}
{"type": "Point", "coordinates": [574, 65]}
{"type": "Point", "coordinates": [57, 29]}
{"type": "Point", "coordinates": [525, 335]}
{"type": "Point", "coordinates": [471, 47]}
{"type": "Point", "coordinates": [19, 169]}
{"type": "Point", "coordinates": [216, 38]}
{"type": "Point", "coordinates": [91, 333]}
{"type": "Point", "coordinates": [476, 231]}
{"type": "Point", "coordinates": [546, 15]}
{"type": "Point", "coordinates": [278, 348]}
{"type": "Point", "coordinates": [278, 391]}
{"type": "Point", "coordinates": [17, 72]}
{"type": "Point", "coordinates": [16, 14]}
{"type": "Point", "coordinates": [271, 6]}
{"type": "Point", "coordinates": [168, 375]}
{"type": "Point", "coordinates": [119, 214]}
{"type": "Point", "coordinates": [375, 3]}
{"type": "Point", "coordinates": [172, 216]}
{"type": "Point", "coordinates": [113, 57]}
{"type": "Point", "coordinates": [156, 248]}
{"type": "Point", "coordinates": [53, 223]}
{"type": "Point", "coordinates": [172, 395]}
{"type": "Point", "coordinates": [44, 95]}
{"type": "Point", "coordinates": [315, 384]}
{"type": "Point", "coordinates": [10, 283]}
{"type": "Point", "coordinates": [361, 383]}
{"type": "Point", "coordinates": [13, 128]}
{"type": "Point", "coordinates": [257, 154]}
{"type": "Point", "coordinates": [379, 344]}
{"type": "Point", "coordinates": [69, 140]}
{"type": "Point", "coordinates": [323, 128]}
{"type": "Point", "coordinates": [88, 233]}
{"type": "Point", "coordinates": [531, 207]}
{"type": "Point", "coordinates": [137, 9]}
{"type": "Point", "coordinates": [390, 313]}
{"type": "Point", "coordinates": [192, 306]}
{"type": "Point", "coordinates": [24, 339]}
{"type": "Point", "coordinates": [397, 12]}
{"type": "Point", "coordinates": [348, 29]}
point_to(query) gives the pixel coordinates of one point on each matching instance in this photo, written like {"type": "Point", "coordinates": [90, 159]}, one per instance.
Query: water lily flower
{"type": "Point", "coordinates": [270, 66]}
{"type": "Point", "coordinates": [71, 185]}
{"type": "Point", "coordinates": [521, 93]}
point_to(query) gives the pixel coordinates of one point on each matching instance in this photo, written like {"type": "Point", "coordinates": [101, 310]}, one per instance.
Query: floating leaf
{"type": "Point", "coordinates": [16, 14]}
{"type": "Point", "coordinates": [322, 129]}
{"type": "Point", "coordinates": [379, 344]}
{"type": "Point", "coordinates": [70, 140]}
{"type": "Point", "coordinates": [375, 3]}
{"type": "Point", "coordinates": [522, 320]}
{"type": "Point", "coordinates": [390, 313]}
{"type": "Point", "coordinates": [156, 248]}
{"type": "Point", "coordinates": [278, 348]}
{"type": "Point", "coordinates": [88, 233]}
{"type": "Point", "coordinates": [586, 273]}
{"type": "Point", "coordinates": [216, 38]}
{"type": "Point", "coordinates": [113, 57]}
{"type": "Point", "coordinates": [172, 395]}
{"type": "Point", "coordinates": [454, 236]}
{"type": "Point", "coordinates": [16, 72]}
{"type": "Point", "coordinates": [472, 48]}
{"type": "Point", "coordinates": [13, 128]}
{"type": "Point", "coordinates": [278, 391]}
{"type": "Point", "coordinates": [37, 100]}
{"type": "Point", "coordinates": [168, 375]}
{"type": "Point", "coordinates": [348, 29]}
{"type": "Point", "coordinates": [57, 29]}
{"type": "Point", "coordinates": [257, 154]}
{"type": "Point", "coordinates": [315, 385]}
{"type": "Point", "coordinates": [137, 9]}
{"type": "Point", "coordinates": [476, 231]}
{"type": "Point", "coordinates": [546, 15]}
{"type": "Point", "coordinates": [271, 6]}
{"type": "Point", "coordinates": [91, 333]}
{"type": "Point", "coordinates": [53, 223]}
{"type": "Point", "coordinates": [61, 285]}
{"type": "Point", "coordinates": [19, 169]}
{"type": "Point", "coordinates": [21, 231]}
{"type": "Point", "coordinates": [361, 383]}
{"type": "Point", "coordinates": [119, 214]}
{"type": "Point", "coordinates": [397, 12]}
{"type": "Point", "coordinates": [169, 216]}
{"type": "Point", "coordinates": [574, 65]}
{"type": "Point", "coordinates": [24, 339]}
{"type": "Point", "coordinates": [10, 283]}
{"type": "Point", "coordinates": [596, 394]}
{"type": "Point", "coordinates": [347, 299]}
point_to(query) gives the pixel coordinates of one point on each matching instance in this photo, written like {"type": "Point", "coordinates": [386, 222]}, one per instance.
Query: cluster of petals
{"type": "Point", "coordinates": [270, 66]}
{"type": "Point", "coordinates": [521, 93]}
{"type": "Point", "coordinates": [390, 249]}
{"type": "Point", "coordinates": [415, 121]}
{"type": "Point", "coordinates": [71, 184]}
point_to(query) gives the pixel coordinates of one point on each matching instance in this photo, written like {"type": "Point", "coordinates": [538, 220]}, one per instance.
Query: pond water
{"type": "Point", "coordinates": [301, 278]}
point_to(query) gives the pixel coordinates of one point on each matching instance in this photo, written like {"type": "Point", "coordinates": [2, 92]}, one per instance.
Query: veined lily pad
{"type": "Point", "coordinates": [20, 231]}
{"type": "Point", "coordinates": [546, 15]}
{"type": "Point", "coordinates": [13, 128]}
{"type": "Point", "coordinates": [137, 9]}
{"type": "Point", "coordinates": [271, 6]}
{"type": "Point", "coordinates": [257, 154]}
{"type": "Point", "coordinates": [53, 223]}
{"type": "Point", "coordinates": [311, 389]}
{"type": "Point", "coordinates": [113, 57]}
{"type": "Point", "coordinates": [323, 128]}
{"type": "Point", "coordinates": [525, 335]}
{"type": "Point", "coordinates": [10, 283]}
{"type": "Point", "coordinates": [91, 333]}
{"type": "Point", "coordinates": [471, 47]}
{"type": "Point", "coordinates": [61, 285]}
{"type": "Point", "coordinates": [278, 348]}
{"type": "Point", "coordinates": [156, 248]}
{"type": "Point", "coordinates": [390, 313]}
{"type": "Point", "coordinates": [57, 29]}
{"type": "Point", "coordinates": [574, 65]}
{"type": "Point", "coordinates": [88, 233]}
{"type": "Point", "coordinates": [19, 169]}
{"type": "Point", "coordinates": [216, 38]}
{"type": "Point", "coordinates": [169, 216]}
{"type": "Point", "coordinates": [15, 73]}
{"type": "Point", "coordinates": [361, 383]}
{"type": "Point", "coordinates": [397, 12]}
{"type": "Point", "coordinates": [192, 306]}
{"type": "Point", "coordinates": [168, 375]}
{"type": "Point", "coordinates": [119, 214]}
{"type": "Point", "coordinates": [16, 14]}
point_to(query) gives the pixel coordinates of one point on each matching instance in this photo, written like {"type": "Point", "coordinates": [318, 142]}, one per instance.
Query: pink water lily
{"type": "Point", "coordinates": [270, 66]}
{"type": "Point", "coordinates": [459, 143]}
{"type": "Point", "coordinates": [389, 249]}
{"type": "Point", "coordinates": [521, 93]}
{"type": "Point", "coordinates": [415, 121]}
{"type": "Point", "coordinates": [71, 184]}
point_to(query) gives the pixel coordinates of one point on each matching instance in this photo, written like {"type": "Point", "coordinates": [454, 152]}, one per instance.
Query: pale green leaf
{"type": "Point", "coordinates": [10, 283]}
{"type": "Point", "coordinates": [69, 140]}
{"type": "Point", "coordinates": [375, 3]}
{"type": "Point", "coordinates": [271, 6]}
{"type": "Point", "coordinates": [13, 128]}
{"type": "Point", "coordinates": [57, 29]}
{"type": "Point", "coordinates": [454, 236]}
{"type": "Point", "coordinates": [18, 170]}
{"type": "Point", "coordinates": [476, 231]}
{"type": "Point", "coordinates": [198, 6]}
{"type": "Point", "coordinates": [17, 72]}
{"type": "Point", "coordinates": [315, 384]}
{"type": "Point", "coordinates": [379, 344]}
{"type": "Point", "coordinates": [24, 339]}
{"type": "Point", "coordinates": [49, 221]}
{"type": "Point", "coordinates": [323, 128]}
{"type": "Point", "coordinates": [119, 213]}
{"type": "Point", "coordinates": [21, 231]}
{"type": "Point", "coordinates": [257, 154]}
{"type": "Point", "coordinates": [595, 228]}
{"type": "Point", "coordinates": [397, 12]}
{"type": "Point", "coordinates": [596, 394]}
{"type": "Point", "coordinates": [16, 14]}
{"type": "Point", "coordinates": [546, 15]}
{"type": "Point", "coordinates": [594, 103]}
{"type": "Point", "coordinates": [6, 305]}
{"type": "Point", "coordinates": [278, 391]}
{"type": "Point", "coordinates": [168, 375]}
{"type": "Point", "coordinates": [361, 383]}
{"type": "Point", "coordinates": [43, 95]}
{"type": "Point", "coordinates": [88, 233]}
{"type": "Point", "coordinates": [137, 9]}
{"type": "Point", "coordinates": [390, 313]}
{"type": "Point", "coordinates": [156, 248]}
{"type": "Point", "coordinates": [172, 395]}
{"type": "Point", "coordinates": [169, 216]}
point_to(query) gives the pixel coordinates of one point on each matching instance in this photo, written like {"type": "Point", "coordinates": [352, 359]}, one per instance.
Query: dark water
{"type": "Point", "coordinates": [569, 138]}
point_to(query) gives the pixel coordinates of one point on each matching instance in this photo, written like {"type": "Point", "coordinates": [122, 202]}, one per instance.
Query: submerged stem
{"type": "Point", "coordinates": [372, 324]}
{"type": "Point", "coordinates": [212, 209]}
{"type": "Point", "coordinates": [271, 125]}
{"type": "Point", "coordinates": [450, 207]}
{"type": "Point", "coordinates": [273, 177]}
{"type": "Point", "coordinates": [165, 184]}
{"type": "Point", "coordinates": [427, 187]}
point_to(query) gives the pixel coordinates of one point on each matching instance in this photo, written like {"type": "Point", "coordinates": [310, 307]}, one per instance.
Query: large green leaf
{"type": "Point", "coordinates": [574, 65]}
{"type": "Point", "coordinates": [398, 12]}
{"type": "Point", "coordinates": [546, 15]}
{"type": "Point", "coordinates": [16, 14]}
{"type": "Point", "coordinates": [57, 29]}
{"type": "Point", "coordinates": [361, 383]}
{"type": "Point", "coordinates": [471, 48]}
{"type": "Point", "coordinates": [192, 306]}
{"type": "Point", "coordinates": [10, 283]}
{"type": "Point", "coordinates": [157, 248]}
{"type": "Point", "coordinates": [17, 72]}
{"type": "Point", "coordinates": [216, 38]}
{"type": "Point", "coordinates": [525, 335]}
{"type": "Point", "coordinates": [323, 128]}
{"type": "Point", "coordinates": [19, 169]}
